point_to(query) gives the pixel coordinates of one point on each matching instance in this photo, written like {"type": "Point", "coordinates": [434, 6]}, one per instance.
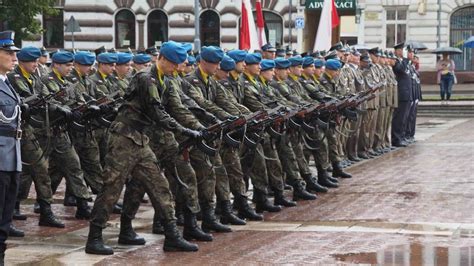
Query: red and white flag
{"type": "Point", "coordinates": [248, 31]}
{"type": "Point", "coordinates": [329, 20]}
{"type": "Point", "coordinates": [262, 39]}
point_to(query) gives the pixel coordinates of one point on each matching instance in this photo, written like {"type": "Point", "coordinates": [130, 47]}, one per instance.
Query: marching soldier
{"type": "Point", "coordinates": [123, 67]}
{"type": "Point", "coordinates": [42, 69]}
{"type": "Point", "coordinates": [26, 84]}
{"type": "Point", "coordinates": [130, 156]}
{"type": "Point", "coordinates": [140, 61]}
{"type": "Point", "coordinates": [10, 135]}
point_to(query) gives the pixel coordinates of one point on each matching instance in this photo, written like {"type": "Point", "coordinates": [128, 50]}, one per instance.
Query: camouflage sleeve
{"type": "Point", "coordinates": [251, 101]}
{"type": "Point", "coordinates": [224, 101]}
{"type": "Point", "coordinates": [19, 85]}
{"type": "Point", "coordinates": [207, 105]}
{"type": "Point", "coordinates": [178, 111]}
{"type": "Point", "coordinates": [285, 92]}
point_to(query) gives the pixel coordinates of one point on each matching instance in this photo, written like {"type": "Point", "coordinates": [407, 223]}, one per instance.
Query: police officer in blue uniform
{"type": "Point", "coordinates": [10, 135]}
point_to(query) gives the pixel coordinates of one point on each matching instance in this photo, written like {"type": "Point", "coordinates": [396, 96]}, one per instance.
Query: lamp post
{"type": "Point", "coordinates": [290, 20]}
{"type": "Point", "coordinates": [197, 35]}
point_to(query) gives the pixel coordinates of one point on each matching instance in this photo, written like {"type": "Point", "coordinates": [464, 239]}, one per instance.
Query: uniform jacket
{"type": "Point", "coordinates": [404, 78]}
{"type": "Point", "coordinates": [10, 149]}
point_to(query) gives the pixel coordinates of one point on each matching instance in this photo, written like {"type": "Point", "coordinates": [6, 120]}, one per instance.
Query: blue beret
{"type": "Point", "coordinates": [188, 47]}
{"type": "Point", "coordinates": [282, 63]}
{"type": "Point", "coordinates": [333, 64]}
{"type": "Point", "coordinates": [318, 63]}
{"type": "Point", "coordinates": [142, 59]}
{"type": "Point", "coordinates": [27, 54]}
{"type": "Point", "coordinates": [174, 52]}
{"type": "Point", "coordinates": [212, 54]}
{"type": "Point", "coordinates": [308, 61]}
{"type": "Point", "coordinates": [253, 58]}
{"type": "Point", "coordinates": [62, 57]}
{"type": "Point", "coordinates": [296, 61]}
{"type": "Point", "coordinates": [107, 58]}
{"type": "Point", "coordinates": [227, 63]}
{"type": "Point", "coordinates": [191, 60]}
{"type": "Point", "coordinates": [267, 64]}
{"type": "Point", "coordinates": [84, 58]}
{"type": "Point", "coordinates": [124, 58]}
{"type": "Point", "coordinates": [237, 55]}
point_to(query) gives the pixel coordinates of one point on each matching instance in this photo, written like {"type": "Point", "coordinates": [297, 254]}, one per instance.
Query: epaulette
{"type": "Point", "coordinates": [304, 81]}
{"type": "Point", "coordinates": [323, 81]}
{"type": "Point", "coordinates": [246, 82]}
{"type": "Point", "coordinates": [73, 79]}
{"type": "Point", "coordinates": [100, 81]}
{"type": "Point", "coordinates": [51, 78]}
{"type": "Point", "coordinates": [195, 81]}
{"type": "Point", "coordinates": [16, 75]}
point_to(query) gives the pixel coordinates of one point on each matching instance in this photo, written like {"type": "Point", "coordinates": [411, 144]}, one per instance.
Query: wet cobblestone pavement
{"type": "Point", "coordinates": [413, 206]}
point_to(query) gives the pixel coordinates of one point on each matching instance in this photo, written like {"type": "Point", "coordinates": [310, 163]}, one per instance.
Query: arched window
{"type": "Point", "coordinates": [273, 27]}
{"type": "Point", "coordinates": [157, 27]}
{"type": "Point", "coordinates": [53, 35]}
{"type": "Point", "coordinates": [462, 27]}
{"type": "Point", "coordinates": [209, 23]}
{"type": "Point", "coordinates": [125, 29]}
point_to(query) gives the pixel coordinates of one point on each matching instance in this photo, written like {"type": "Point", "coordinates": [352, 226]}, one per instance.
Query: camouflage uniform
{"type": "Point", "coordinates": [63, 158]}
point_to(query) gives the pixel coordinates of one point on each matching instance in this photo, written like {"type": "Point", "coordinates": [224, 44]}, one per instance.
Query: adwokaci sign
{"type": "Point", "coordinates": [340, 4]}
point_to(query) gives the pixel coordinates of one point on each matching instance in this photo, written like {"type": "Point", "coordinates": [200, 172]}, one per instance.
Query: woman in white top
{"type": "Point", "coordinates": [446, 77]}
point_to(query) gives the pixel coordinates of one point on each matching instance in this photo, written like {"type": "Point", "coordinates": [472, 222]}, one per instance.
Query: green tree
{"type": "Point", "coordinates": [19, 16]}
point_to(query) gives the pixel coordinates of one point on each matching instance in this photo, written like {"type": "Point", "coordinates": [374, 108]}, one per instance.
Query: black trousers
{"type": "Point", "coordinates": [411, 125]}
{"type": "Point", "coordinates": [399, 121]}
{"type": "Point", "coordinates": [9, 184]}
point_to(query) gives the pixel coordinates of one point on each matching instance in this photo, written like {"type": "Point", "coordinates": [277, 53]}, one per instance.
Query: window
{"type": "Point", "coordinates": [53, 35]}
{"type": "Point", "coordinates": [462, 27]}
{"type": "Point", "coordinates": [273, 27]}
{"type": "Point", "coordinates": [396, 25]}
{"type": "Point", "coordinates": [209, 23]}
{"type": "Point", "coordinates": [125, 29]}
{"type": "Point", "coordinates": [157, 28]}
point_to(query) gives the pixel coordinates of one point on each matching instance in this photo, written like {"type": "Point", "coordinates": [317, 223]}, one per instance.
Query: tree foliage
{"type": "Point", "coordinates": [19, 16]}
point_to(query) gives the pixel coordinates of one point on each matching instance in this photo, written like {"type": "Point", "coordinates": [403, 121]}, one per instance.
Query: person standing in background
{"type": "Point", "coordinates": [446, 77]}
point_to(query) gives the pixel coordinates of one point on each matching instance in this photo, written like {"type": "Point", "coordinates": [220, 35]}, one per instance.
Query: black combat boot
{"type": "Point", "coordinates": [157, 226]}
{"type": "Point", "coordinates": [338, 172]}
{"type": "Point", "coordinates": [95, 243]}
{"type": "Point", "coordinates": [69, 199]}
{"type": "Point", "coordinates": [15, 232]}
{"type": "Point", "coordinates": [324, 179]}
{"type": "Point", "coordinates": [191, 230]}
{"type": "Point", "coordinates": [83, 211]}
{"type": "Point", "coordinates": [245, 211]}
{"type": "Point", "coordinates": [127, 235]}
{"type": "Point", "coordinates": [263, 204]}
{"type": "Point", "coordinates": [282, 201]}
{"type": "Point", "coordinates": [312, 184]}
{"type": "Point", "coordinates": [210, 222]}
{"type": "Point", "coordinates": [36, 208]}
{"type": "Point", "coordinates": [17, 215]}
{"type": "Point", "coordinates": [47, 218]}
{"type": "Point", "coordinates": [117, 209]}
{"type": "Point", "coordinates": [300, 193]}
{"type": "Point", "coordinates": [173, 239]}
{"type": "Point", "coordinates": [227, 216]}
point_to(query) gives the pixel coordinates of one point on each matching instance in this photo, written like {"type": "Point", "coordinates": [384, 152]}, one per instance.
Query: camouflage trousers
{"type": "Point", "coordinates": [64, 162]}
{"type": "Point", "coordinates": [254, 166]}
{"type": "Point", "coordinates": [273, 163]}
{"type": "Point", "coordinates": [130, 159]}
{"type": "Point", "coordinates": [332, 142]}
{"type": "Point", "coordinates": [88, 150]}
{"type": "Point", "coordinates": [35, 168]}
{"type": "Point", "coordinates": [320, 153]}
{"type": "Point", "coordinates": [165, 147]}
{"type": "Point", "coordinates": [235, 178]}
{"type": "Point", "coordinates": [101, 136]}
{"type": "Point", "coordinates": [288, 159]}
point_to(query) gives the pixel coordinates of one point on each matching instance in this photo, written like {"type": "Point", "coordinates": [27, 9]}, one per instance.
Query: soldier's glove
{"type": "Point", "coordinates": [93, 109]}
{"type": "Point", "coordinates": [76, 115]}
{"type": "Point", "coordinates": [207, 136]}
{"type": "Point", "coordinates": [191, 133]}
{"type": "Point", "coordinates": [65, 111]}
{"type": "Point", "coordinates": [25, 111]}
{"type": "Point", "coordinates": [106, 109]}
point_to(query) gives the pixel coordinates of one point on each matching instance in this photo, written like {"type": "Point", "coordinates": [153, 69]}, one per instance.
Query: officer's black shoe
{"type": "Point", "coordinates": [227, 217]}
{"type": "Point", "coordinates": [117, 209]}
{"type": "Point", "coordinates": [83, 211]}
{"type": "Point", "coordinates": [312, 184]}
{"type": "Point", "coordinates": [338, 172]}
{"type": "Point", "coordinates": [15, 232]}
{"type": "Point", "coordinates": [400, 144]}
{"type": "Point", "coordinates": [282, 201]}
{"type": "Point", "coordinates": [300, 193]}
{"type": "Point", "coordinates": [263, 204]}
{"type": "Point", "coordinates": [324, 179]}
{"type": "Point", "coordinates": [173, 239]}
{"type": "Point", "coordinates": [157, 226]}
{"type": "Point", "coordinates": [127, 235]}
{"type": "Point", "coordinates": [210, 222]}
{"type": "Point", "coordinates": [47, 218]}
{"type": "Point", "coordinates": [192, 231]}
{"type": "Point", "coordinates": [17, 215]}
{"type": "Point", "coordinates": [95, 243]}
{"type": "Point", "coordinates": [36, 208]}
{"type": "Point", "coordinates": [69, 201]}
{"type": "Point", "coordinates": [245, 211]}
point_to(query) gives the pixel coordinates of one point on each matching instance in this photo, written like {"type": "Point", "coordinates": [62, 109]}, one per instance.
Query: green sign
{"type": "Point", "coordinates": [340, 4]}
